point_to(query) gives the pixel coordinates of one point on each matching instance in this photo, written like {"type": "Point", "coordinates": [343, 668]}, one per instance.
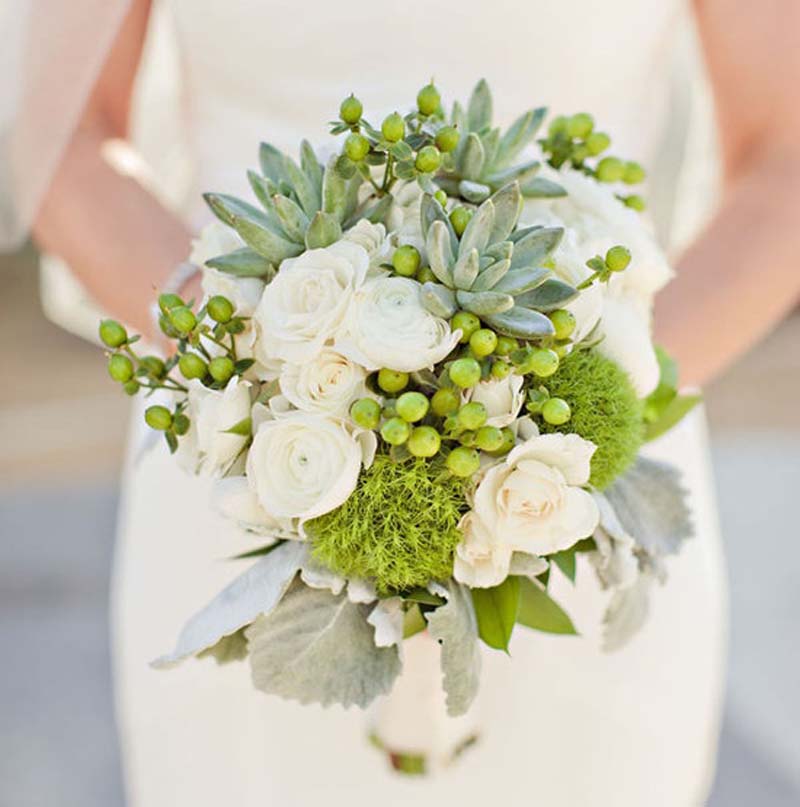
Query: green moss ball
{"type": "Point", "coordinates": [605, 410]}
{"type": "Point", "coordinates": [399, 528]}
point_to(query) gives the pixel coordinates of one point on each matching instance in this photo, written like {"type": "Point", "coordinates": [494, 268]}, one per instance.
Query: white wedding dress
{"type": "Point", "coordinates": [564, 724]}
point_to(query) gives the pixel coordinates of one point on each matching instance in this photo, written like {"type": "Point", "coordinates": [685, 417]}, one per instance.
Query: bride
{"type": "Point", "coordinates": [565, 724]}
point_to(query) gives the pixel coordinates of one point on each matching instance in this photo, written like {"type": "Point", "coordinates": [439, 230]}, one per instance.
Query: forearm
{"type": "Point", "coordinates": [742, 274]}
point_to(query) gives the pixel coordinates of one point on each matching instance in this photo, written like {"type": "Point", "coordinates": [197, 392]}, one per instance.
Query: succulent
{"type": "Point", "coordinates": [493, 270]}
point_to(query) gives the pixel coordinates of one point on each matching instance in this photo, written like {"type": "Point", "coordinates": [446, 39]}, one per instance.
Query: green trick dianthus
{"type": "Point", "coordinates": [605, 410]}
{"type": "Point", "coordinates": [398, 528]}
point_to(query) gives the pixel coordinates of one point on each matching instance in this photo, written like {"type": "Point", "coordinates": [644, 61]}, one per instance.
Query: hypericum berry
{"type": "Point", "coordinates": [120, 368]}
{"type": "Point", "coordinates": [424, 441]}
{"type": "Point", "coordinates": [356, 147]}
{"type": "Point", "coordinates": [221, 369]}
{"type": "Point", "coordinates": [131, 387]}
{"type": "Point", "coordinates": [459, 218]}
{"type": "Point", "coordinates": [509, 441]}
{"type": "Point", "coordinates": [428, 100]}
{"type": "Point", "coordinates": [182, 319]}
{"type": "Point", "coordinates": [636, 202]}
{"type": "Point", "coordinates": [489, 438]}
{"type": "Point", "coordinates": [441, 197]}
{"type": "Point", "coordinates": [395, 431]}
{"type": "Point", "coordinates": [501, 369]}
{"type": "Point", "coordinates": [393, 127]}
{"type": "Point", "coordinates": [610, 169]}
{"type": "Point", "coordinates": [579, 154]}
{"type": "Point", "coordinates": [564, 322]}
{"type": "Point", "coordinates": [392, 380]}
{"type": "Point", "coordinates": [429, 158]}
{"type": "Point", "coordinates": [463, 461]}
{"type": "Point", "coordinates": [158, 417]}
{"type": "Point", "coordinates": [425, 275]}
{"type": "Point", "coordinates": [192, 366]}
{"type": "Point", "coordinates": [166, 302]}
{"type": "Point", "coordinates": [618, 258]}
{"type": "Point", "coordinates": [447, 139]}
{"type": "Point", "coordinates": [154, 366]}
{"type": "Point", "coordinates": [220, 309]}
{"type": "Point", "coordinates": [445, 401]}
{"type": "Point", "coordinates": [483, 342]}
{"type": "Point", "coordinates": [467, 439]}
{"type": "Point", "coordinates": [412, 406]}
{"type": "Point", "coordinates": [543, 362]}
{"type": "Point", "coordinates": [556, 411]}
{"type": "Point", "coordinates": [465, 372]}
{"type": "Point", "coordinates": [634, 174]}
{"type": "Point", "coordinates": [366, 412]}
{"type": "Point", "coordinates": [467, 323]}
{"type": "Point", "coordinates": [112, 334]}
{"type": "Point", "coordinates": [580, 125]}
{"type": "Point", "coordinates": [472, 415]}
{"type": "Point", "coordinates": [180, 424]}
{"type": "Point", "coordinates": [505, 345]}
{"type": "Point", "coordinates": [558, 125]}
{"type": "Point", "coordinates": [350, 110]}
{"type": "Point", "coordinates": [406, 260]}
{"type": "Point", "coordinates": [597, 143]}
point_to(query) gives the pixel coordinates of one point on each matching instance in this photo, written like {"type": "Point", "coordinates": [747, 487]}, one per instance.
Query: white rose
{"type": "Point", "coordinates": [503, 399]}
{"type": "Point", "coordinates": [372, 237]}
{"type": "Point", "coordinates": [302, 465]}
{"type": "Point", "coordinates": [305, 306]}
{"type": "Point", "coordinates": [389, 327]}
{"type": "Point", "coordinates": [207, 447]}
{"type": "Point", "coordinates": [531, 502]}
{"type": "Point", "coordinates": [328, 383]}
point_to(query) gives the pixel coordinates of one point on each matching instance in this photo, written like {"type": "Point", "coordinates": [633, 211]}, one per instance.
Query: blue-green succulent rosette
{"type": "Point", "coordinates": [422, 375]}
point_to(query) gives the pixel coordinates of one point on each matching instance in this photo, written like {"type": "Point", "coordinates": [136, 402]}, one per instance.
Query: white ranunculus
{"type": "Point", "coordinates": [372, 237]}
{"type": "Point", "coordinates": [233, 498]}
{"type": "Point", "coordinates": [306, 304]}
{"type": "Point", "coordinates": [302, 465]}
{"type": "Point", "coordinates": [207, 447]}
{"type": "Point", "coordinates": [405, 219]}
{"type": "Point", "coordinates": [328, 383]}
{"type": "Point", "coordinates": [389, 327]}
{"type": "Point", "coordinates": [531, 502]}
{"type": "Point", "coordinates": [503, 399]}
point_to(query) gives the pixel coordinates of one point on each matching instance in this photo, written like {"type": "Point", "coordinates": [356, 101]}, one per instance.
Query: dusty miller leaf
{"type": "Point", "coordinates": [227, 649]}
{"type": "Point", "coordinates": [626, 614]}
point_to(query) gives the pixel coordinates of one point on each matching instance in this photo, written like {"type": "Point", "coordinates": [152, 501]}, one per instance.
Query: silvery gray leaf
{"type": "Point", "coordinates": [626, 613]}
{"type": "Point", "coordinates": [474, 192]}
{"type": "Point", "coordinates": [471, 158]}
{"type": "Point", "coordinates": [227, 649]}
{"type": "Point", "coordinates": [316, 647]}
{"type": "Point", "coordinates": [507, 207]}
{"type": "Point", "coordinates": [256, 591]}
{"type": "Point", "coordinates": [476, 235]}
{"type": "Point", "coordinates": [651, 505]}
{"type": "Point", "coordinates": [455, 627]}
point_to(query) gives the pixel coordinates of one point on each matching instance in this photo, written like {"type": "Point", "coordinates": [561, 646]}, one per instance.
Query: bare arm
{"type": "Point", "coordinates": [743, 274]}
{"type": "Point", "coordinates": [116, 237]}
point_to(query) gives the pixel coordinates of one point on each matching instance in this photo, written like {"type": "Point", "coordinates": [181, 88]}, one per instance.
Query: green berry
{"type": "Point", "coordinates": [406, 260]}
{"type": "Point", "coordinates": [467, 439]}
{"type": "Point", "coordinates": [556, 411]}
{"type": "Point", "coordinates": [501, 369]}
{"type": "Point", "coordinates": [221, 369]}
{"type": "Point", "coordinates": [425, 275]}
{"type": "Point", "coordinates": [412, 406]}
{"type": "Point", "coordinates": [167, 328]}
{"type": "Point", "coordinates": [112, 334]}
{"type": "Point", "coordinates": [356, 147]}
{"type": "Point", "coordinates": [634, 174]}
{"type": "Point", "coordinates": [424, 441]}
{"type": "Point", "coordinates": [472, 415]}
{"type": "Point", "coordinates": [579, 154]}
{"type": "Point", "coordinates": [467, 323]}
{"type": "Point", "coordinates": [166, 302]}
{"type": "Point", "coordinates": [509, 441]}
{"type": "Point", "coordinates": [447, 139]}
{"type": "Point", "coordinates": [182, 319]}
{"type": "Point", "coordinates": [463, 461]}
{"type": "Point", "coordinates": [428, 100]}
{"type": "Point", "coordinates": [220, 309]}
{"type": "Point", "coordinates": [395, 431]}
{"type": "Point", "coordinates": [483, 342]}
{"type": "Point", "coordinates": [181, 424]}
{"type": "Point", "coordinates": [393, 127]}
{"type": "Point", "coordinates": [366, 412]}
{"type": "Point", "coordinates": [465, 372]}
{"type": "Point", "coordinates": [459, 218]}
{"type": "Point", "coordinates": [158, 417]}
{"type": "Point", "coordinates": [618, 258]}
{"type": "Point", "coordinates": [392, 380]}
{"type": "Point", "coordinates": [597, 143]}
{"type": "Point", "coordinates": [580, 126]}
{"type": "Point", "coordinates": [558, 125]}
{"type": "Point", "coordinates": [489, 438]}
{"type": "Point", "coordinates": [562, 348]}
{"type": "Point", "coordinates": [636, 202]}
{"type": "Point", "coordinates": [445, 401]}
{"type": "Point", "coordinates": [154, 366]}
{"type": "Point", "coordinates": [120, 368]}
{"type": "Point", "coordinates": [429, 158]}
{"type": "Point", "coordinates": [131, 387]}
{"type": "Point", "coordinates": [543, 362]}
{"type": "Point", "coordinates": [192, 366]}
{"type": "Point", "coordinates": [350, 110]}
{"type": "Point", "coordinates": [564, 322]}
{"type": "Point", "coordinates": [610, 169]}
{"type": "Point", "coordinates": [505, 345]}
{"type": "Point", "coordinates": [441, 197]}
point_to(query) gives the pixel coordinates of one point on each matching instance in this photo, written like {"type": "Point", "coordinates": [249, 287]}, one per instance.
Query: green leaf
{"type": "Point", "coordinates": [413, 622]}
{"type": "Point", "coordinates": [172, 441]}
{"type": "Point", "coordinates": [541, 188]}
{"type": "Point", "coordinates": [539, 611]}
{"type": "Point", "coordinates": [565, 560]}
{"type": "Point", "coordinates": [243, 428]}
{"type": "Point", "coordinates": [272, 163]}
{"type": "Point", "coordinates": [311, 167]}
{"type": "Point", "coordinates": [244, 262]}
{"type": "Point", "coordinates": [323, 231]}
{"type": "Point", "coordinates": [307, 194]}
{"type": "Point", "coordinates": [263, 188]}
{"type": "Point", "coordinates": [671, 415]}
{"type": "Point", "coordinates": [227, 649]}
{"type": "Point", "coordinates": [521, 323]}
{"type": "Point", "coordinates": [423, 597]}
{"type": "Point", "coordinates": [402, 151]}
{"type": "Point", "coordinates": [548, 296]}
{"type": "Point", "coordinates": [259, 551]}
{"type": "Point", "coordinates": [293, 220]}
{"type": "Point", "coordinates": [496, 611]}
{"type": "Point", "coordinates": [479, 108]}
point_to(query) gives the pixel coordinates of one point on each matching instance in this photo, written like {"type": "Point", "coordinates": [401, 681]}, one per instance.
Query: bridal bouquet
{"type": "Point", "coordinates": [421, 375]}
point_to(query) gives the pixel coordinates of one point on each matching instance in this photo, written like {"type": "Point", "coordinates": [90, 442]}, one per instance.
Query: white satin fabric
{"type": "Point", "coordinates": [565, 725]}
